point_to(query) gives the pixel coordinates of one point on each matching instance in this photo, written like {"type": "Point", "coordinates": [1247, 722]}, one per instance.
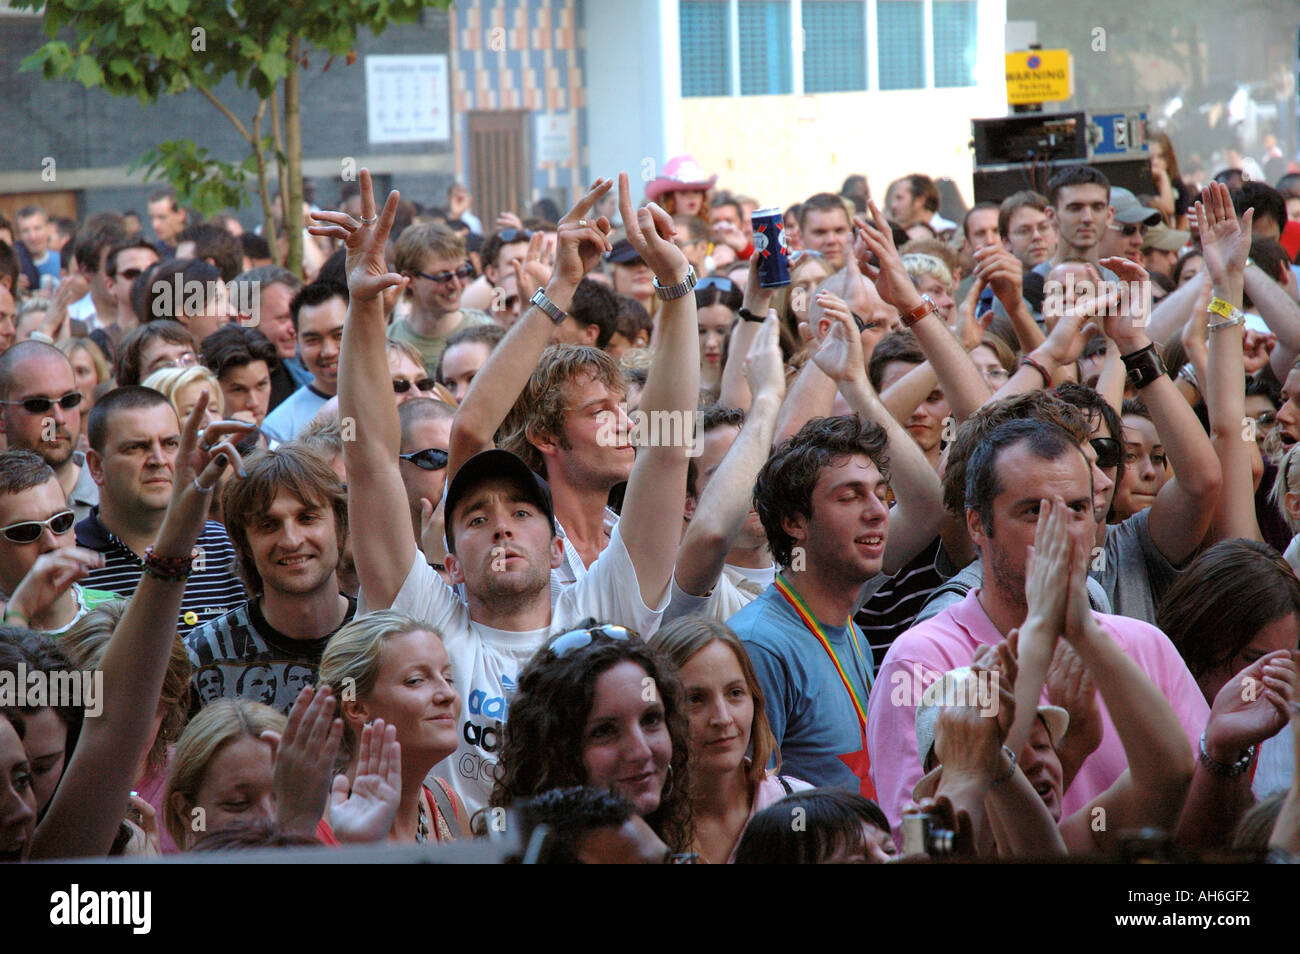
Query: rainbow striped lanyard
{"type": "Point", "coordinates": [814, 627]}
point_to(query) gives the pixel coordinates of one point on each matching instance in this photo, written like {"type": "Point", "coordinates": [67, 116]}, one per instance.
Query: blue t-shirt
{"type": "Point", "coordinates": [807, 706]}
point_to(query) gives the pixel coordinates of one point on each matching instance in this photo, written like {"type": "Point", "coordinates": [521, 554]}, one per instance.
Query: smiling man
{"type": "Point", "coordinates": [134, 439]}
{"type": "Point", "coordinates": [821, 497]}
{"type": "Point", "coordinates": [289, 525]}
{"type": "Point", "coordinates": [318, 310]}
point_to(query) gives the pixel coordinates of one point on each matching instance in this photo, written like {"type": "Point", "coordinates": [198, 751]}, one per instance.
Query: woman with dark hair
{"type": "Point", "coordinates": [1236, 602]}
{"type": "Point", "coordinates": [836, 827]}
{"type": "Point", "coordinates": [1172, 198]}
{"type": "Point", "coordinates": [717, 300]}
{"type": "Point", "coordinates": [50, 730]}
{"type": "Point", "coordinates": [724, 703]}
{"type": "Point", "coordinates": [1234, 615]}
{"type": "Point", "coordinates": [598, 707]}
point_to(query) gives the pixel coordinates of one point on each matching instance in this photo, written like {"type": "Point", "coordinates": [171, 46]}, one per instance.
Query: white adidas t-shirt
{"type": "Point", "coordinates": [486, 662]}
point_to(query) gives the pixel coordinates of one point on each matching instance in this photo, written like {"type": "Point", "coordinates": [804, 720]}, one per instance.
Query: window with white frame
{"type": "Point", "coordinates": [755, 47]}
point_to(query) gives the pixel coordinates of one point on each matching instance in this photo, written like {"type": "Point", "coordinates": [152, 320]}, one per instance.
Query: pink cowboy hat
{"type": "Point", "coordinates": [680, 173]}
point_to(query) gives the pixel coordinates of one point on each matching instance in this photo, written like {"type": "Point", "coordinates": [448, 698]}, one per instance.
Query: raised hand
{"type": "Point", "coordinates": [970, 331]}
{"type": "Point", "coordinates": [1251, 707]}
{"type": "Point", "coordinates": [580, 242]}
{"type": "Point", "coordinates": [874, 237]}
{"type": "Point", "coordinates": [840, 355]}
{"type": "Point", "coordinates": [1127, 305]}
{"type": "Point", "coordinates": [1047, 568]}
{"type": "Point", "coordinates": [764, 368]}
{"type": "Point", "coordinates": [364, 811]}
{"type": "Point", "coordinates": [1225, 243]}
{"type": "Point", "coordinates": [1070, 687]}
{"type": "Point", "coordinates": [304, 759]}
{"type": "Point", "coordinates": [757, 299]}
{"type": "Point", "coordinates": [650, 230]}
{"type": "Point", "coordinates": [50, 577]}
{"type": "Point", "coordinates": [1002, 272]}
{"type": "Point", "coordinates": [531, 271]}
{"type": "Point", "coordinates": [365, 240]}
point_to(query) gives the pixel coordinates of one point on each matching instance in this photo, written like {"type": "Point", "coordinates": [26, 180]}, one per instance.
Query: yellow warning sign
{"type": "Point", "coordinates": [1039, 76]}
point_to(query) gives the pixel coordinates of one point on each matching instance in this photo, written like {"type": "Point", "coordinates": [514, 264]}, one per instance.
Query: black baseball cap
{"type": "Point", "coordinates": [623, 253]}
{"type": "Point", "coordinates": [496, 464]}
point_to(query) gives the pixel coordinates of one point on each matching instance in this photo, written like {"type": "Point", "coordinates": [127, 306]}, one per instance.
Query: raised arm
{"type": "Point", "coordinates": [962, 384]}
{"type": "Point", "coordinates": [1252, 706]}
{"type": "Point", "coordinates": [734, 390]}
{"type": "Point", "coordinates": [580, 244]}
{"type": "Point", "coordinates": [1279, 311]}
{"type": "Point", "coordinates": [914, 520]}
{"type": "Point", "coordinates": [657, 488]}
{"type": "Point", "coordinates": [1225, 244]}
{"type": "Point", "coordinates": [91, 799]}
{"type": "Point", "coordinates": [1182, 510]}
{"type": "Point", "coordinates": [376, 497]}
{"type": "Point", "coordinates": [1150, 792]}
{"type": "Point", "coordinates": [1169, 316]}
{"type": "Point", "coordinates": [1002, 272]}
{"type": "Point", "coordinates": [728, 498]}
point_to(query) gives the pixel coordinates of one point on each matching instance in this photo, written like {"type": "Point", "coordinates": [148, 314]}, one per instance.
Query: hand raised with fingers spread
{"type": "Point", "coordinates": [1252, 706]}
{"type": "Point", "coordinates": [1225, 243]}
{"type": "Point", "coordinates": [580, 242]}
{"type": "Point", "coordinates": [364, 810]}
{"type": "Point", "coordinates": [365, 240]}
{"type": "Point", "coordinates": [1125, 322]}
{"type": "Point", "coordinates": [874, 237]}
{"type": "Point", "coordinates": [650, 230]}
{"type": "Point", "coordinates": [531, 271]}
{"type": "Point", "coordinates": [304, 759]}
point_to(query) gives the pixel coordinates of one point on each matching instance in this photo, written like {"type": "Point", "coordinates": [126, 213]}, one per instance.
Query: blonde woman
{"type": "Point", "coordinates": [222, 770]}
{"type": "Point", "coordinates": [182, 386]}
{"type": "Point", "coordinates": [89, 370]}
{"type": "Point", "coordinates": [389, 667]}
{"type": "Point", "coordinates": [730, 741]}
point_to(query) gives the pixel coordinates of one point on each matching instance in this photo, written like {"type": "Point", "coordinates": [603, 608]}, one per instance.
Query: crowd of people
{"type": "Point", "coordinates": [580, 529]}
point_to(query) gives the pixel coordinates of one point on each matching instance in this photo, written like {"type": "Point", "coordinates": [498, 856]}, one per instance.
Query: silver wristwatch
{"type": "Point", "coordinates": [549, 307]}
{"type": "Point", "coordinates": [669, 292]}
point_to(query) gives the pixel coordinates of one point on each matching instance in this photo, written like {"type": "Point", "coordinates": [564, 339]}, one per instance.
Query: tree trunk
{"type": "Point", "coordinates": [269, 231]}
{"type": "Point", "coordinates": [293, 223]}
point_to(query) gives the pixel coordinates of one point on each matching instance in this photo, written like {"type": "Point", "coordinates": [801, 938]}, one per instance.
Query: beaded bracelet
{"type": "Point", "coordinates": [167, 569]}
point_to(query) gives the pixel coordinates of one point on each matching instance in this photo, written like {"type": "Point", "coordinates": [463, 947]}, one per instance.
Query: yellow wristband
{"type": "Point", "coordinates": [1223, 309]}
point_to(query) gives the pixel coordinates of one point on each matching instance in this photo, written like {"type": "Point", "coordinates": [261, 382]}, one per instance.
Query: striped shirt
{"type": "Point", "coordinates": [212, 590]}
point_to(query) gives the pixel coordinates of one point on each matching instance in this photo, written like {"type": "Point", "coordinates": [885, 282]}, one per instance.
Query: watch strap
{"type": "Point", "coordinates": [669, 292]}
{"type": "Point", "coordinates": [920, 311]}
{"type": "Point", "coordinates": [748, 315]}
{"type": "Point", "coordinates": [548, 307]}
{"type": "Point", "coordinates": [1143, 366]}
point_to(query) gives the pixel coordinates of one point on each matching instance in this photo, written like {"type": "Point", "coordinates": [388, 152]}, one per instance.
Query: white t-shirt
{"type": "Point", "coordinates": [736, 588]}
{"type": "Point", "coordinates": [486, 662]}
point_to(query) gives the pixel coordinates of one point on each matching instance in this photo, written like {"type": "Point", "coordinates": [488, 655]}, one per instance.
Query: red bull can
{"type": "Point", "coordinates": [769, 246]}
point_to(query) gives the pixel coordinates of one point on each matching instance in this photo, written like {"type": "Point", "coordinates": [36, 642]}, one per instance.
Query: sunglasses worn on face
{"type": "Point", "coordinates": [401, 385]}
{"type": "Point", "coordinates": [29, 531]}
{"type": "Point", "coordinates": [465, 271]}
{"type": "Point", "coordinates": [576, 639]}
{"type": "Point", "coordinates": [1129, 230]}
{"type": "Point", "coordinates": [431, 458]}
{"type": "Point", "coordinates": [1108, 451]}
{"type": "Point", "coordinates": [42, 405]}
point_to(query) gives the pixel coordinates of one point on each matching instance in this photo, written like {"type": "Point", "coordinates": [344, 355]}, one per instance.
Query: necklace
{"type": "Point", "coordinates": [422, 829]}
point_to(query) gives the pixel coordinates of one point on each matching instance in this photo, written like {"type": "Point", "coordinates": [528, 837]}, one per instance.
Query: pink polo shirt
{"type": "Point", "coordinates": [948, 641]}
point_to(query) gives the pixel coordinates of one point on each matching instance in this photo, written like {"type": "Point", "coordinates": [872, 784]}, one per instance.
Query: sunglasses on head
{"type": "Point", "coordinates": [514, 235]}
{"type": "Point", "coordinates": [401, 385]}
{"type": "Point", "coordinates": [1108, 451]}
{"type": "Point", "coordinates": [716, 281]}
{"type": "Point", "coordinates": [465, 271]}
{"type": "Point", "coordinates": [29, 531]}
{"type": "Point", "coordinates": [581, 638]}
{"type": "Point", "coordinates": [41, 405]}
{"type": "Point", "coordinates": [431, 458]}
